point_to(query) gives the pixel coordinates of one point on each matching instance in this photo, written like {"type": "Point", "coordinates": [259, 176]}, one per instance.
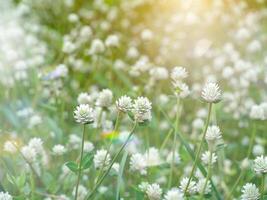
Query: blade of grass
{"type": "Point", "coordinates": [122, 165]}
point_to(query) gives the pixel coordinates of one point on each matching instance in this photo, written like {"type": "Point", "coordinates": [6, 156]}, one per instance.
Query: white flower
{"type": "Point", "coordinates": [174, 194]}
{"type": "Point", "coordinates": [142, 109]}
{"type": "Point", "coordinates": [59, 149]}
{"type": "Point", "coordinates": [154, 192]}
{"type": "Point", "coordinates": [181, 90]}
{"type": "Point", "coordinates": [152, 157]}
{"type": "Point", "coordinates": [200, 186]}
{"type": "Point", "coordinates": [137, 163]}
{"type": "Point", "coordinates": [5, 196]}
{"type": "Point", "coordinates": [257, 112]}
{"type": "Point", "coordinates": [124, 103]}
{"type": "Point", "coordinates": [159, 73]}
{"type": "Point", "coordinates": [97, 47]}
{"type": "Point", "coordinates": [84, 114]}
{"type": "Point", "coordinates": [191, 188]}
{"type": "Point", "coordinates": [101, 159]}
{"type": "Point", "coordinates": [84, 98]}
{"type": "Point", "coordinates": [10, 147]}
{"type": "Point", "coordinates": [206, 157]}
{"type": "Point", "coordinates": [178, 74]}
{"type": "Point", "coordinates": [104, 98]}
{"type": "Point", "coordinates": [176, 157]}
{"type": "Point", "coordinates": [82, 192]}
{"type": "Point", "coordinates": [211, 93]}
{"type": "Point", "coordinates": [37, 144]}
{"type": "Point", "coordinates": [213, 134]}
{"type": "Point", "coordinates": [29, 153]}
{"type": "Point", "coordinates": [260, 165]}
{"type": "Point", "coordinates": [143, 186]}
{"type": "Point", "coordinates": [250, 192]}
{"type": "Point", "coordinates": [112, 41]}
{"type": "Point", "coordinates": [88, 146]}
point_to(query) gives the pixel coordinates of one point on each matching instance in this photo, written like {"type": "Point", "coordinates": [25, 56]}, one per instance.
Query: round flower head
{"type": "Point", "coordinates": [174, 194]}
{"type": "Point", "coordinates": [84, 114]}
{"type": "Point", "coordinates": [250, 192]}
{"type": "Point", "coordinates": [213, 134]}
{"type": "Point", "coordinates": [36, 144]}
{"type": "Point", "coordinates": [105, 98]}
{"type": "Point", "coordinates": [5, 196]}
{"type": "Point", "coordinates": [191, 188]}
{"type": "Point", "coordinates": [59, 149]}
{"type": "Point", "coordinates": [200, 186]}
{"type": "Point", "coordinates": [211, 93]}
{"type": "Point", "coordinates": [154, 192]}
{"type": "Point", "coordinates": [101, 159]}
{"type": "Point", "coordinates": [260, 165]}
{"type": "Point", "coordinates": [10, 147]}
{"type": "Point", "coordinates": [124, 103]}
{"type": "Point", "coordinates": [138, 163]}
{"type": "Point", "coordinates": [142, 109]}
{"type": "Point", "coordinates": [29, 153]}
{"type": "Point", "coordinates": [206, 157]}
{"type": "Point", "coordinates": [178, 74]}
{"type": "Point", "coordinates": [97, 47]}
{"type": "Point", "coordinates": [112, 41]}
{"type": "Point", "coordinates": [257, 112]}
{"type": "Point", "coordinates": [84, 98]}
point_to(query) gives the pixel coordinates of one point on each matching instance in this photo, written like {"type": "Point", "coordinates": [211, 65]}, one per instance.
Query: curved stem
{"type": "Point", "coordinates": [200, 146]}
{"type": "Point", "coordinates": [80, 165]}
{"type": "Point", "coordinates": [208, 176]}
{"type": "Point", "coordinates": [111, 164]}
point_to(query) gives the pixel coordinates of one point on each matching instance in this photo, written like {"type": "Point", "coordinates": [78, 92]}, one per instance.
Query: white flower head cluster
{"type": "Point", "coordinates": [105, 98]}
{"type": "Point", "coordinates": [142, 109]}
{"type": "Point", "coordinates": [260, 165]}
{"type": "Point", "coordinates": [153, 192]}
{"type": "Point", "coordinates": [112, 41]}
{"type": "Point", "coordinates": [101, 159]}
{"type": "Point", "coordinates": [174, 194]}
{"type": "Point", "coordinates": [178, 74]}
{"type": "Point", "coordinates": [84, 114]}
{"type": "Point", "coordinates": [213, 134]}
{"type": "Point", "coordinates": [201, 184]}
{"type": "Point", "coordinates": [250, 192]}
{"type": "Point", "coordinates": [191, 188]}
{"type": "Point", "coordinates": [29, 153]}
{"type": "Point", "coordinates": [124, 104]}
{"type": "Point", "coordinates": [211, 92]}
{"type": "Point", "coordinates": [5, 196]}
{"type": "Point", "coordinates": [84, 98]}
{"type": "Point", "coordinates": [37, 145]}
{"type": "Point", "coordinates": [59, 149]}
{"type": "Point", "coordinates": [9, 146]}
{"type": "Point", "coordinates": [206, 156]}
{"type": "Point", "coordinates": [137, 163]}
{"type": "Point", "coordinates": [258, 112]}
{"type": "Point", "coordinates": [97, 47]}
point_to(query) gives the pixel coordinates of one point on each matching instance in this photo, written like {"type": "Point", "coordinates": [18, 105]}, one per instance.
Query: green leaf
{"type": "Point", "coordinates": [87, 160]}
{"type": "Point", "coordinates": [72, 166]}
{"type": "Point", "coordinates": [21, 180]}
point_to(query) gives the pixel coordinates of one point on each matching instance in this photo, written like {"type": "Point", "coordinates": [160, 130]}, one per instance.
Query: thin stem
{"type": "Point", "coordinates": [262, 186]}
{"type": "Point", "coordinates": [208, 176]}
{"type": "Point", "coordinates": [80, 165]}
{"type": "Point", "coordinates": [111, 164]}
{"type": "Point", "coordinates": [174, 142]}
{"type": "Point", "coordinates": [200, 147]}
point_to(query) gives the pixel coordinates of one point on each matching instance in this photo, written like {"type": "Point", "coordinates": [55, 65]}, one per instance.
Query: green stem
{"type": "Point", "coordinates": [200, 146]}
{"type": "Point", "coordinates": [262, 186]}
{"type": "Point", "coordinates": [208, 176]}
{"type": "Point", "coordinates": [111, 164]}
{"type": "Point", "coordinates": [174, 142]}
{"type": "Point", "coordinates": [80, 165]}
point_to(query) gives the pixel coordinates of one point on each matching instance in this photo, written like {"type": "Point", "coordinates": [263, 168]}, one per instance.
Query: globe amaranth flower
{"type": "Point", "coordinates": [206, 157]}
{"type": "Point", "coordinates": [101, 159]}
{"type": "Point", "coordinates": [260, 165]}
{"type": "Point", "coordinates": [153, 192]}
{"type": "Point", "coordinates": [142, 109]}
{"type": "Point", "coordinates": [84, 114]}
{"type": "Point", "coordinates": [104, 98]}
{"type": "Point", "coordinates": [250, 192]}
{"type": "Point", "coordinates": [213, 135]}
{"type": "Point", "coordinates": [200, 186]}
{"type": "Point", "coordinates": [5, 196]}
{"type": "Point", "coordinates": [124, 104]}
{"type": "Point", "coordinates": [174, 194]}
{"type": "Point", "coordinates": [211, 93]}
{"type": "Point", "coordinates": [191, 188]}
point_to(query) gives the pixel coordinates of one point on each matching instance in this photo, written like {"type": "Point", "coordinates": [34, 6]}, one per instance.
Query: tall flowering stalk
{"type": "Point", "coordinates": [211, 94]}
{"type": "Point", "coordinates": [83, 114]}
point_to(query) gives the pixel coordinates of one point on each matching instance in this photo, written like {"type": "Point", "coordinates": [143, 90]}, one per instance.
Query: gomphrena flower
{"type": "Point", "coordinates": [105, 98]}
{"type": "Point", "coordinates": [260, 165]}
{"type": "Point", "coordinates": [97, 47]}
{"type": "Point", "coordinates": [174, 194]}
{"type": "Point", "coordinates": [59, 149]}
{"type": "Point", "coordinates": [5, 196]}
{"type": "Point", "coordinates": [206, 157]}
{"type": "Point", "coordinates": [250, 192]}
{"type": "Point", "coordinates": [84, 98]}
{"type": "Point", "coordinates": [84, 114]}
{"type": "Point", "coordinates": [153, 192]}
{"type": "Point", "coordinates": [29, 153]}
{"type": "Point", "coordinates": [211, 93]}
{"type": "Point", "coordinates": [112, 41]}
{"type": "Point", "coordinates": [101, 159]}
{"type": "Point", "coordinates": [10, 147]}
{"type": "Point", "coordinates": [257, 112]}
{"type": "Point", "coordinates": [191, 188]}
{"type": "Point", "coordinates": [213, 134]}
{"type": "Point", "coordinates": [178, 74]}
{"type": "Point", "coordinates": [124, 104]}
{"type": "Point", "coordinates": [138, 163]}
{"type": "Point", "coordinates": [36, 144]}
{"type": "Point", "coordinates": [142, 109]}
{"type": "Point", "coordinates": [201, 184]}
